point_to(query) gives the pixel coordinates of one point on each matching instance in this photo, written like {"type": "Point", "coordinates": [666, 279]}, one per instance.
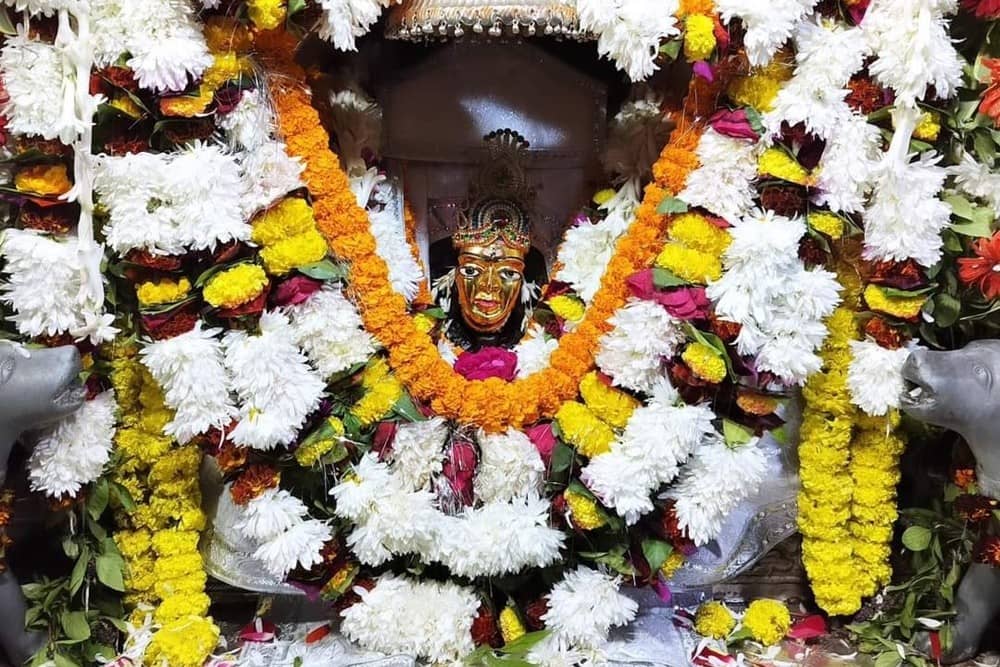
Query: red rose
{"type": "Point", "coordinates": [385, 435]}
{"type": "Point", "coordinates": [685, 303]}
{"type": "Point", "coordinates": [544, 440]}
{"type": "Point", "coordinates": [294, 291]}
{"type": "Point", "coordinates": [735, 124]}
{"type": "Point", "coordinates": [459, 469]}
{"type": "Point", "coordinates": [489, 362]}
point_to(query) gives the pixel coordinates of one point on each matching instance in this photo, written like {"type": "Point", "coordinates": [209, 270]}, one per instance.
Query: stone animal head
{"type": "Point", "coordinates": [958, 389]}
{"type": "Point", "coordinates": [38, 386]}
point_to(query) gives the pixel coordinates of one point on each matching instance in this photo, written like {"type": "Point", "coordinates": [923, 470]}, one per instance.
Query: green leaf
{"type": "Point", "coordinates": [664, 279]}
{"type": "Point", "coordinates": [562, 457]}
{"type": "Point", "coordinates": [947, 309]}
{"type": "Point", "coordinates": [975, 228]}
{"type": "Point", "coordinates": [736, 435]}
{"type": "Point", "coordinates": [905, 293]}
{"type": "Point", "coordinates": [97, 501]}
{"type": "Point", "coordinates": [407, 409]}
{"type": "Point", "coordinates": [614, 558]}
{"type": "Point", "coordinates": [671, 49]}
{"type": "Point", "coordinates": [755, 119]}
{"type": "Point", "coordinates": [79, 571]}
{"type": "Point", "coordinates": [960, 206]}
{"type": "Point", "coordinates": [109, 572]}
{"type": "Point", "coordinates": [986, 149]}
{"type": "Point", "coordinates": [295, 6]}
{"type": "Point", "coordinates": [70, 548]}
{"type": "Point", "coordinates": [122, 496]}
{"type": "Point", "coordinates": [888, 659]}
{"type": "Point", "coordinates": [325, 269]}
{"type": "Point", "coordinates": [63, 660]}
{"type": "Point", "coordinates": [917, 538]}
{"type": "Point", "coordinates": [780, 435]}
{"type": "Point", "coordinates": [75, 624]}
{"type": "Point", "coordinates": [6, 25]}
{"type": "Point", "coordinates": [656, 552]}
{"type": "Point", "coordinates": [672, 206]}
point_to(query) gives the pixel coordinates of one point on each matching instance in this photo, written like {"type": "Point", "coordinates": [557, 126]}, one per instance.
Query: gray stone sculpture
{"type": "Point", "coordinates": [960, 390]}
{"type": "Point", "coordinates": [36, 387]}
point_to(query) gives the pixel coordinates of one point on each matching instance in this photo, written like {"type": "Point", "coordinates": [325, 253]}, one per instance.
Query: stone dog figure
{"type": "Point", "coordinates": [36, 387]}
{"type": "Point", "coordinates": [960, 390]}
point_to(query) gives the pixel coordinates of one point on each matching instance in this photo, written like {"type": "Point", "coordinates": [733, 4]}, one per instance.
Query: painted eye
{"type": "Point", "coordinates": [510, 275]}
{"type": "Point", "coordinates": [6, 369]}
{"type": "Point", "coordinates": [469, 271]}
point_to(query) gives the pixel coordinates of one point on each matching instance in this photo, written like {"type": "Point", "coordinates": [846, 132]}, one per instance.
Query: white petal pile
{"type": "Point", "coordinates": [268, 174]}
{"type": "Point", "coordinates": [346, 20]}
{"type": "Point", "coordinates": [509, 467]}
{"type": "Point", "coordinates": [401, 615]}
{"type": "Point", "coordinates": [72, 453]}
{"type": "Point", "coordinates": [632, 352]}
{"type": "Point", "coordinates": [43, 7]}
{"type": "Point", "coordinates": [912, 47]}
{"type": "Point", "coordinates": [279, 523]}
{"type": "Point", "coordinates": [845, 171]}
{"type": "Point", "coordinates": [45, 287]}
{"type": "Point", "coordinates": [418, 452]}
{"type": "Point", "coordinates": [723, 184]}
{"type": "Point", "coordinates": [534, 351]}
{"type": "Point", "coordinates": [169, 203]}
{"type": "Point", "coordinates": [329, 330]}
{"type": "Point", "coordinates": [875, 377]}
{"type": "Point", "coordinates": [583, 608]}
{"type": "Point", "coordinates": [779, 304]}
{"type": "Point", "coordinates": [712, 483]}
{"type": "Point", "coordinates": [405, 272]}
{"type": "Point", "coordinates": [658, 438]}
{"type": "Point", "coordinates": [977, 180]}
{"type": "Point", "coordinates": [277, 388]}
{"type": "Point", "coordinates": [190, 369]}
{"type": "Point", "coordinates": [163, 40]}
{"type": "Point", "coordinates": [630, 31]}
{"type": "Point", "coordinates": [769, 23]}
{"type": "Point", "coordinates": [250, 123]}
{"type": "Point", "coordinates": [34, 76]}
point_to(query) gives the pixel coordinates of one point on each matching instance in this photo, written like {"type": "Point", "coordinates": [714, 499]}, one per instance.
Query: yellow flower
{"type": "Point", "coordinates": [192, 583]}
{"type": "Point", "coordinates": [583, 511]}
{"type": "Point", "coordinates": [184, 642]}
{"type": "Point", "coordinates": [695, 231]}
{"type": "Point", "coordinates": [424, 322]}
{"type": "Point", "coordinates": [182, 605]}
{"type": "Point", "coordinates": [175, 542]}
{"type": "Point", "coordinates": [225, 67]}
{"type": "Point", "coordinates": [568, 307]}
{"type": "Point", "coordinates": [827, 223]}
{"type": "Point", "coordinates": [236, 286]}
{"type": "Point", "coordinates": [266, 14]}
{"type": "Point", "coordinates": [903, 307]}
{"type": "Point", "coordinates": [288, 218]}
{"type": "Point", "coordinates": [672, 564]}
{"type": "Point", "coordinates": [768, 621]}
{"type": "Point", "coordinates": [127, 106]}
{"type": "Point", "coordinates": [378, 400]}
{"type": "Point", "coordinates": [705, 362]}
{"type": "Point", "coordinates": [714, 620]}
{"type": "Point", "coordinates": [511, 626]}
{"type": "Point", "coordinates": [611, 405]}
{"type": "Point", "coordinates": [581, 428]}
{"type": "Point", "coordinates": [162, 291]}
{"type": "Point", "coordinates": [779, 164]}
{"type": "Point", "coordinates": [43, 179]}
{"type": "Point", "coordinates": [929, 126]}
{"type": "Point", "coordinates": [699, 37]}
{"type": "Point", "coordinates": [293, 252]}
{"type": "Point", "coordinates": [225, 33]}
{"type": "Point", "coordinates": [759, 89]}
{"type": "Point", "coordinates": [689, 264]}
{"type": "Point", "coordinates": [133, 543]}
{"type": "Point", "coordinates": [310, 453]}
{"type": "Point", "coordinates": [604, 196]}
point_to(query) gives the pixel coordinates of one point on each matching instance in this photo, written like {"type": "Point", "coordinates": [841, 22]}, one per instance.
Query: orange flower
{"type": "Point", "coordinates": [983, 271]}
{"type": "Point", "coordinates": [990, 104]}
{"type": "Point", "coordinates": [254, 481]}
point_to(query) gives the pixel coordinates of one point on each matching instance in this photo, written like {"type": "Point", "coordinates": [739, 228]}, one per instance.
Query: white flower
{"type": "Point", "coordinates": [584, 606]}
{"type": "Point", "coordinates": [648, 454]}
{"type": "Point", "coordinates": [270, 514]}
{"type": "Point", "coordinates": [533, 351]}
{"type": "Point", "coordinates": [723, 184]}
{"type": "Point", "coordinates": [329, 330]}
{"type": "Point", "coordinates": [268, 175]}
{"type": "Point", "coordinates": [300, 546]}
{"type": "Point", "coordinates": [418, 452]}
{"type": "Point", "coordinates": [875, 377]}
{"type": "Point", "coordinates": [769, 23]}
{"type": "Point", "coordinates": [195, 383]}
{"type": "Point", "coordinates": [169, 203]}
{"type": "Point", "coordinates": [629, 31]}
{"type": "Point", "coordinates": [38, 81]}
{"type": "Point", "coordinates": [45, 287]}
{"type": "Point", "coordinates": [845, 170]}
{"type": "Point", "coordinates": [905, 217]}
{"type": "Point", "coordinates": [401, 615]}
{"type": "Point", "coordinates": [357, 123]}
{"type": "Point", "coordinates": [913, 48]}
{"type": "Point", "coordinates": [509, 467]}
{"type": "Point", "coordinates": [73, 452]}
{"type": "Point", "coordinates": [165, 44]}
{"type": "Point", "coordinates": [250, 123]}
{"type": "Point", "coordinates": [345, 20]}
{"type": "Point", "coordinates": [44, 7]}
{"type": "Point", "coordinates": [275, 384]}
{"type": "Point", "coordinates": [632, 352]}
{"type": "Point", "coordinates": [391, 245]}
{"type": "Point", "coordinates": [977, 180]}
{"type": "Point", "coordinates": [712, 483]}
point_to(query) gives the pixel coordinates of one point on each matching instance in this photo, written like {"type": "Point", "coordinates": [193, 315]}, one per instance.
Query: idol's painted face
{"type": "Point", "coordinates": [489, 284]}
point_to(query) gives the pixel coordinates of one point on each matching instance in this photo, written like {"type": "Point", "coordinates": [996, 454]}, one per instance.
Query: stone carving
{"type": "Point", "coordinates": [36, 387]}
{"type": "Point", "coordinates": [958, 390]}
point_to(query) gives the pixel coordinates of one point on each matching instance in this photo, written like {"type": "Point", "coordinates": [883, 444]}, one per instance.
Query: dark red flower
{"type": "Point", "coordinates": [52, 219]}
{"type": "Point", "coordinates": [812, 252]}
{"type": "Point", "coordinates": [906, 275]}
{"type": "Point", "coordinates": [975, 509]}
{"type": "Point", "coordinates": [533, 613]}
{"type": "Point", "coordinates": [294, 291]}
{"type": "Point", "coordinates": [990, 104]}
{"type": "Point", "coordinates": [254, 481]}
{"type": "Point", "coordinates": [884, 333]}
{"type": "Point", "coordinates": [983, 9]}
{"type": "Point", "coordinates": [156, 262]}
{"type": "Point", "coordinates": [783, 200]}
{"type": "Point", "coordinates": [385, 434]}
{"type": "Point", "coordinates": [988, 551]}
{"type": "Point", "coordinates": [253, 307]}
{"type": "Point", "coordinates": [865, 95]}
{"type": "Point", "coordinates": [983, 271]}
{"type": "Point", "coordinates": [727, 331]}
{"type": "Point", "coordinates": [733, 123]}
{"type": "Point", "coordinates": [172, 323]}
{"type": "Point", "coordinates": [489, 362]}
{"type": "Point", "coordinates": [485, 631]}
{"type": "Point", "coordinates": [964, 477]}
{"type": "Point", "coordinates": [460, 469]}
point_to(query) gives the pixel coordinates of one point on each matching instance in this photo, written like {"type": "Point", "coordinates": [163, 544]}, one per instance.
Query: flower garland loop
{"type": "Point", "coordinates": [492, 404]}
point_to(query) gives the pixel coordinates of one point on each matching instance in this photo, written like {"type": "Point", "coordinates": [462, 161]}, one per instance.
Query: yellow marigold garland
{"type": "Point", "coordinates": [612, 406]}
{"type": "Point", "coordinates": [582, 429]}
{"type": "Point", "coordinates": [491, 404]}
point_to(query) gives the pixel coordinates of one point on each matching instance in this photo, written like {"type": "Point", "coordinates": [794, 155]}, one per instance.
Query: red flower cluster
{"type": "Point", "coordinates": [983, 271]}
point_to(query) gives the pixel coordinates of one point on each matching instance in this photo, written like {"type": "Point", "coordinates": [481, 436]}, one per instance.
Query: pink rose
{"type": "Point", "coordinates": [544, 440]}
{"type": "Point", "coordinates": [684, 303]}
{"type": "Point", "coordinates": [459, 469]}
{"type": "Point", "coordinates": [704, 70]}
{"type": "Point", "coordinates": [489, 362]}
{"type": "Point", "coordinates": [294, 291]}
{"type": "Point", "coordinates": [734, 124]}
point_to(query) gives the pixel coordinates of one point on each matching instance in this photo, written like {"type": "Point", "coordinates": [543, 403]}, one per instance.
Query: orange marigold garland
{"type": "Point", "coordinates": [491, 404]}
